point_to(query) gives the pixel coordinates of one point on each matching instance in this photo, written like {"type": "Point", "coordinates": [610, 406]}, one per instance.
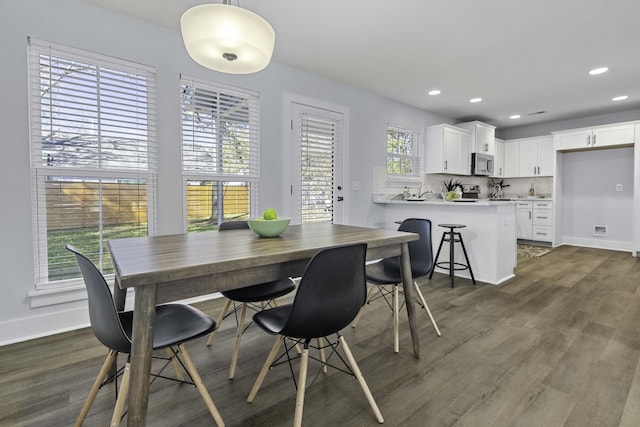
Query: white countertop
{"type": "Point", "coordinates": [386, 199]}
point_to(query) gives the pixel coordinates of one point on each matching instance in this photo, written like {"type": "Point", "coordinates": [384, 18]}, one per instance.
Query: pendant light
{"type": "Point", "coordinates": [227, 38]}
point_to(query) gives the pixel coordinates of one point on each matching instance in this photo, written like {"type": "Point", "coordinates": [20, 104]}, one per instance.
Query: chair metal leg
{"type": "Point", "coordinates": [437, 255]}
{"type": "Point", "coordinates": [102, 375]}
{"type": "Point", "coordinates": [193, 372]}
{"type": "Point", "coordinates": [236, 347]}
{"type": "Point", "coordinates": [396, 320]}
{"type": "Point", "coordinates": [366, 301]}
{"type": "Point", "coordinates": [224, 312]}
{"type": "Point", "coordinates": [426, 307]}
{"type": "Point", "coordinates": [122, 396]}
{"type": "Point", "coordinates": [265, 368]}
{"type": "Point", "coordinates": [302, 385]}
{"type": "Point", "coordinates": [466, 257]}
{"type": "Point", "coordinates": [360, 378]}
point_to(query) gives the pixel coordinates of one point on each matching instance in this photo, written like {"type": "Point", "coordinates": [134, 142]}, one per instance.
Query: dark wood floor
{"type": "Point", "coordinates": [557, 346]}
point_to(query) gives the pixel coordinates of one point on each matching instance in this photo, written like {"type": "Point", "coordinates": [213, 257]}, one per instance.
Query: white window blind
{"type": "Point", "coordinates": [220, 153]}
{"type": "Point", "coordinates": [403, 154]}
{"type": "Point", "coordinates": [318, 136]}
{"type": "Point", "coordinates": [93, 155]}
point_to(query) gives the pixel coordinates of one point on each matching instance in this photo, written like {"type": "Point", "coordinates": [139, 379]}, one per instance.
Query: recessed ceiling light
{"type": "Point", "coordinates": [435, 92]}
{"type": "Point", "coordinates": [620, 98]}
{"type": "Point", "coordinates": [515, 116]}
{"type": "Point", "coordinates": [598, 71]}
{"type": "Point", "coordinates": [474, 100]}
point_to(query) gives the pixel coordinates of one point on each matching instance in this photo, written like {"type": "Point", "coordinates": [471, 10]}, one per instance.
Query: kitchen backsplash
{"type": "Point", "coordinates": [517, 187]}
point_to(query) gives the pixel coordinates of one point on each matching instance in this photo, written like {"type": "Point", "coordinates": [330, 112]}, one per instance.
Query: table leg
{"type": "Point", "coordinates": [144, 314]}
{"type": "Point", "coordinates": [119, 295]}
{"type": "Point", "coordinates": [407, 283]}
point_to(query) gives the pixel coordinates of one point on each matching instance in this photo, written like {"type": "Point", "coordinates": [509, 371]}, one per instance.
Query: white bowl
{"type": "Point", "coordinates": [269, 227]}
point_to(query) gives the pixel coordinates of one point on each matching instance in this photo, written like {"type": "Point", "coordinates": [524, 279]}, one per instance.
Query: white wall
{"type": "Point", "coordinates": [590, 197]}
{"type": "Point", "coordinates": [84, 26]}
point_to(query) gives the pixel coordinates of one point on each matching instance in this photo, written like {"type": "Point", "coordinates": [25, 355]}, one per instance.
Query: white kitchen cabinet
{"type": "Point", "coordinates": [483, 136]}
{"type": "Point", "coordinates": [511, 159]}
{"type": "Point", "coordinates": [498, 159]}
{"type": "Point", "coordinates": [595, 137]}
{"type": "Point", "coordinates": [534, 220]}
{"type": "Point", "coordinates": [524, 219]}
{"type": "Point", "coordinates": [535, 156]}
{"type": "Point", "coordinates": [448, 150]}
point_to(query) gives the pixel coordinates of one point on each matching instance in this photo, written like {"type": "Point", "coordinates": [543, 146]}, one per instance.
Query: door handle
{"type": "Point", "coordinates": [445, 164]}
{"type": "Point", "coordinates": [340, 198]}
{"type": "Point", "coordinates": [594, 139]}
{"type": "Point", "coordinates": [588, 140]}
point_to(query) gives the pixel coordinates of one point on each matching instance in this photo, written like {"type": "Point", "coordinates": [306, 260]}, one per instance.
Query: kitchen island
{"type": "Point", "coordinates": [490, 235]}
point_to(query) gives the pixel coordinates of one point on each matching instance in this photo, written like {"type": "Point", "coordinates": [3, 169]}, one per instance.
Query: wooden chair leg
{"type": "Point", "coordinates": [323, 358]}
{"type": "Point", "coordinates": [236, 347]}
{"type": "Point", "coordinates": [122, 396]}
{"type": "Point", "coordinates": [175, 363]}
{"type": "Point", "coordinates": [302, 385]}
{"type": "Point", "coordinates": [265, 368]}
{"type": "Point", "coordinates": [224, 312]}
{"type": "Point", "coordinates": [360, 378]}
{"type": "Point", "coordinates": [102, 375]}
{"type": "Point", "coordinates": [366, 301]}
{"type": "Point", "coordinates": [200, 386]}
{"type": "Point", "coordinates": [396, 320]}
{"type": "Point", "coordinates": [426, 307]}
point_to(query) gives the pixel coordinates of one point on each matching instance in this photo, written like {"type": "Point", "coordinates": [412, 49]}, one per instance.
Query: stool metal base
{"type": "Point", "coordinates": [452, 237]}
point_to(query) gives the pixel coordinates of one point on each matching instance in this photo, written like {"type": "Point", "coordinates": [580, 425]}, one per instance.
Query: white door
{"type": "Point", "coordinates": [317, 193]}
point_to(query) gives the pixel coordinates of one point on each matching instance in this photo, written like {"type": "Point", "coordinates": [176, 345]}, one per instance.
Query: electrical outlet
{"type": "Point", "coordinates": [618, 187]}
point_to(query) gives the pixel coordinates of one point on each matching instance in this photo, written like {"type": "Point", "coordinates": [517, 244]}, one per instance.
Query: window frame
{"type": "Point", "coordinates": [416, 159]}
{"type": "Point", "coordinates": [252, 99]}
{"type": "Point", "coordinates": [97, 167]}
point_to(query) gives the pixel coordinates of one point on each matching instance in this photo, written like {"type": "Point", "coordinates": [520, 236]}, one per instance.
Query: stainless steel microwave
{"type": "Point", "coordinates": [481, 164]}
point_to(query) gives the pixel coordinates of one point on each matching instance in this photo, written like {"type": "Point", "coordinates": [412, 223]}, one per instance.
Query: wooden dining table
{"type": "Point", "coordinates": [175, 267]}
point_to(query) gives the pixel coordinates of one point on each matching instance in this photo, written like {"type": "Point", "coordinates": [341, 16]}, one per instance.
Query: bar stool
{"type": "Point", "coordinates": [452, 237]}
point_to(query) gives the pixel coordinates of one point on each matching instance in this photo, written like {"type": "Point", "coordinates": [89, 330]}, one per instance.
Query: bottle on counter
{"type": "Point", "coordinates": [406, 193]}
{"type": "Point", "coordinates": [532, 190]}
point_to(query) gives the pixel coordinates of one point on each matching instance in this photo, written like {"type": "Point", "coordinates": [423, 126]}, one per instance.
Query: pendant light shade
{"type": "Point", "coordinates": [227, 38]}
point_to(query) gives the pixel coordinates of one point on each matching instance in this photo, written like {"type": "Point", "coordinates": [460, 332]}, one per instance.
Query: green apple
{"type": "Point", "coordinates": [269, 214]}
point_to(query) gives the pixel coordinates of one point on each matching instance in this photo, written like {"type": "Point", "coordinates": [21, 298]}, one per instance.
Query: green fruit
{"type": "Point", "coordinates": [270, 213]}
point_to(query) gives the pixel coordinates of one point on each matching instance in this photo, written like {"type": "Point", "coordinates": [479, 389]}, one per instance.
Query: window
{"type": "Point", "coordinates": [403, 155]}
{"type": "Point", "coordinates": [220, 162]}
{"type": "Point", "coordinates": [93, 156]}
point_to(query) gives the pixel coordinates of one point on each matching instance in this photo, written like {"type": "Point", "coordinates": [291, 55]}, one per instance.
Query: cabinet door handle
{"type": "Point", "coordinates": [594, 139]}
{"type": "Point", "coordinates": [445, 165]}
{"type": "Point", "coordinates": [588, 140]}
{"type": "Point", "coordinates": [529, 214]}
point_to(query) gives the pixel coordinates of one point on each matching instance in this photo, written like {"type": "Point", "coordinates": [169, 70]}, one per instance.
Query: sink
{"type": "Point", "coordinates": [500, 200]}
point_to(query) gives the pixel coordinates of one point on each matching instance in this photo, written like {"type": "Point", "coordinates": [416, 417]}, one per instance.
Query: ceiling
{"type": "Point", "coordinates": [521, 57]}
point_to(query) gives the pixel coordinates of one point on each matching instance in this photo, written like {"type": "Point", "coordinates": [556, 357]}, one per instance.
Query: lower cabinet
{"type": "Point", "coordinates": [534, 220]}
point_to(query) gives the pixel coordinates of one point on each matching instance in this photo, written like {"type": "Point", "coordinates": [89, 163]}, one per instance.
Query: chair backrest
{"type": "Point", "coordinates": [233, 225]}
{"type": "Point", "coordinates": [420, 251]}
{"type": "Point", "coordinates": [332, 290]}
{"type": "Point", "coordinates": [103, 315]}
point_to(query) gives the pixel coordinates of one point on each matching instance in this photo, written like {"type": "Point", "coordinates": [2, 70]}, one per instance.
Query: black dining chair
{"type": "Point", "coordinates": [386, 272]}
{"type": "Point", "coordinates": [256, 297]}
{"type": "Point", "coordinates": [330, 294]}
{"type": "Point", "coordinates": [175, 324]}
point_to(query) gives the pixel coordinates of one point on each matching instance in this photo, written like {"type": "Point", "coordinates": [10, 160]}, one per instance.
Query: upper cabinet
{"type": "Point", "coordinates": [447, 150]}
{"type": "Point", "coordinates": [528, 157]}
{"type": "Point", "coordinates": [498, 159]}
{"type": "Point", "coordinates": [482, 136]}
{"type": "Point", "coordinates": [595, 137]}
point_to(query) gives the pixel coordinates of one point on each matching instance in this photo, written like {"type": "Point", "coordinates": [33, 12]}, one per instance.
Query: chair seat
{"type": "Point", "coordinates": [175, 323]}
{"type": "Point", "coordinates": [376, 273]}
{"type": "Point", "coordinates": [273, 319]}
{"type": "Point", "coordinates": [261, 292]}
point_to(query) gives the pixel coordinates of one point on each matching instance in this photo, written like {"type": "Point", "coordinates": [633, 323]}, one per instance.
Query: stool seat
{"type": "Point", "coordinates": [452, 237]}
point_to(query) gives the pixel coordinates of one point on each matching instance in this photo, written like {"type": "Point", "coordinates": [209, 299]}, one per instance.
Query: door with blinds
{"type": "Point", "coordinates": [317, 144]}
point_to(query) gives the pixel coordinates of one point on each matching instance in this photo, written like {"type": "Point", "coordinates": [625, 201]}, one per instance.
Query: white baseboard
{"type": "Point", "coordinates": [613, 245]}
{"type": "Point", "coordinates": [42, 325]}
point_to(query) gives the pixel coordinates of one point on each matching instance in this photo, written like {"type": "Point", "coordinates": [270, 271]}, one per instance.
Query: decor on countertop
{"type": "Point", "coordinates": [269, 225]}
{"type": "Point", "coordinates": [532, 251]}
{"type": "Point", "coordinates": [496, 188]}
{"type": "Point", "coordinates": [227, 38]}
